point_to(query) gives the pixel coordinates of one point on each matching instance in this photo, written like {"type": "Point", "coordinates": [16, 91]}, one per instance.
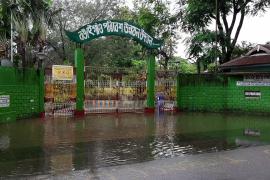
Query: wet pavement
{"type": "Point", "coordinates": [247, 164]}
{"type": "Point", "coordinates": [137, 146]}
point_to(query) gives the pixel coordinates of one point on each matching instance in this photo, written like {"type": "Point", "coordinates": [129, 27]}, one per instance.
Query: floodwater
{"type": "Point", "coordinates": [60, 145]}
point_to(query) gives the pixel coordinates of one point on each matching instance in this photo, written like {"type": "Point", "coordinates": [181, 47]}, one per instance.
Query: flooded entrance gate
{"type": "Point", "coordinates": [111, 90]}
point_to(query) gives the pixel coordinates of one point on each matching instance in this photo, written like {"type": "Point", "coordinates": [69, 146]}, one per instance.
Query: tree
{"type": "Point", "coordinates": [3, 28]}
{"type": "Point", "coordinates": [242, 49]}
{"type": "Point", "coordinates": [183, 65]}
{"type": "Point", "coordinates": [202, 49]}
{"type": "Point", "coordinates": [73, 14]}
{"type": "Point", "coordinates": [156, 18]}
{"type": "Point", "coordinates": [109, 51]}
{"type": "Point", "coordinates": [29, 19]}
{"type": "Point", "coordinates": [200, 14]}
{"type": "Point", "coordinates": [112, 51]}
{"type": "Point", "coordinates": [4, 18]}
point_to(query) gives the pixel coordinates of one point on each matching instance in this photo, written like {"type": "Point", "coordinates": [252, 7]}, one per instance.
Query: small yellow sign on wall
{"type": "Point", "coordinates": [60, 72]}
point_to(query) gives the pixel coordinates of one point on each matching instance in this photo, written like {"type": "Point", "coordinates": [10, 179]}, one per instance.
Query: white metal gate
{"type": "Point", "coordinates": [113, 90]}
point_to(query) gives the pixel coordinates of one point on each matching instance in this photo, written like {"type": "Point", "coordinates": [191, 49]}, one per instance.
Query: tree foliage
{"type": "Point", "coordinates": [39, 27]}
{"type": "Point", "coordinates": [30, 20]}
{"type": "Point", "coordinates": [182, 65]}
{"type": "Point", "coordinates": [35, 35]}
{"type": "Point", "coordinates": [229, 16]}
{"type": "Point", "coordinates": [75, 14]}
{"type": "Point", "coordinates": [111, 51]}
{"type": "Point", "coordinates": [157, 19]}
{"type": "Point", "coordinates": [242, 49]}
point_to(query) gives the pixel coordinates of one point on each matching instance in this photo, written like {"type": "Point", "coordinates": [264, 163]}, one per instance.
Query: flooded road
{"type": "Point", "coordinates": [60, 145]}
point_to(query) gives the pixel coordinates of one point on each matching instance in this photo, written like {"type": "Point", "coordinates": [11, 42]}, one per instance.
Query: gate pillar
{"type": "Point", "coordinates": [79, 64]}
{"type": "Point", "coordinates": [150, 84]}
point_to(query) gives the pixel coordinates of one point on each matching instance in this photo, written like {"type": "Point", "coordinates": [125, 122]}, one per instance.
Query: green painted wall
{"type": "Point", "coordinates": [23, 86]}
{"type": "Point", "coordinates": [203, 93]}
{"type": "Point", "coordinates": [219, 93]}
{"type": "Point", "coordinates": [236, 97]}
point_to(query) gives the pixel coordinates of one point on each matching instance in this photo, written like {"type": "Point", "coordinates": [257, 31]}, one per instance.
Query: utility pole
{"type": "Point", "coordinates": [216, 58]}
{"type": "Point", "coordinates": [12, 6]}
{"type": "Point", "coordinates": [11, 36]}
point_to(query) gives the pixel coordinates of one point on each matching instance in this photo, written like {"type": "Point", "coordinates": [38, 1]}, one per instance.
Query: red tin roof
{"type": "Point", "coordinates": [248, 60]}
{"type": "Point", "coordinates": [259, 55]}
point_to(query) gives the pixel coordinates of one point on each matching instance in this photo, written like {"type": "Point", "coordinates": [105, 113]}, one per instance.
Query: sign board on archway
{"type": "Point", "coordinates": [113, 27]}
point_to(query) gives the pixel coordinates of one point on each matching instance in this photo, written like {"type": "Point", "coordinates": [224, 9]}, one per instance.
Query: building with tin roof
{"type": "Point", "coordinates": [256, 60]}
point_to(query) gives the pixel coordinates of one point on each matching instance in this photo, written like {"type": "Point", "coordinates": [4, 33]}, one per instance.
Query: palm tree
{"type": "Point", "coordinates": [4, 28]}
{"type": "Point", "coordinates": [29, 22]}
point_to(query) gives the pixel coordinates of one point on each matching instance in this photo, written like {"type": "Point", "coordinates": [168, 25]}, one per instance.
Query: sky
{"type": "Point", "coordinates": [255, 30]}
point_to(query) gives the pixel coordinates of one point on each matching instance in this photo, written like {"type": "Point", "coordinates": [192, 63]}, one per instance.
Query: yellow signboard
{"type": "Point", "coordinates": [60, 72]}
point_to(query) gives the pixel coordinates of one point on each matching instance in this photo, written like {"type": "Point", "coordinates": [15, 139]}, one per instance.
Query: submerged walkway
{"type": "Point", "coordinates": [248, 164]}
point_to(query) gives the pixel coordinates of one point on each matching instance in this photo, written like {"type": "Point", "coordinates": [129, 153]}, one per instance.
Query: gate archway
{"type": "Point", "coordinates": [98, 29]}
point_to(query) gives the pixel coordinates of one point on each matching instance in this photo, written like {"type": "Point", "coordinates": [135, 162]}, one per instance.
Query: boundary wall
{"type": "Point", "coordinates": [217, 92]}
{"type": "Point", "coordinates": [21, 93]}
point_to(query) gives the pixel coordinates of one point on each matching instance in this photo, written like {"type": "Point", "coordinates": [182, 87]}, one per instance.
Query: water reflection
{"type": "Point", "coordinates": [54, 146]}
{"type": "Point", "coordinates": [58, 143]}
{"type": "Point", "coordinates": [4, 142]}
